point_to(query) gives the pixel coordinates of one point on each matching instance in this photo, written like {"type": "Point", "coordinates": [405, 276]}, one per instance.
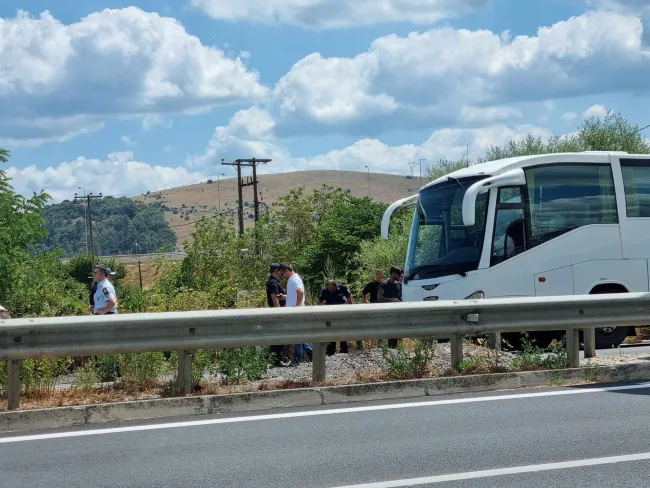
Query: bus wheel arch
{"type": "Point", "coordinates": [608, 337]}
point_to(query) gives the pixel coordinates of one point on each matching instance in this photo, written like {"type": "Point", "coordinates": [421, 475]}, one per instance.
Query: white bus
{"type": "Point", "coordinates": [554, 224]}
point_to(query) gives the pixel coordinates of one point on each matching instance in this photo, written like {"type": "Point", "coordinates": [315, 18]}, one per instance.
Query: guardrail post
{"type": "Point", "coordinates": [318, 362]}
{"type": "Point", "coordinates": [456, 343]}
{"type": "Point", "coordinates": [573, 347]}
{"type": "Point", "coordinates": [185, 372]}
{"type": "Point", "coordinates": [494, 341]}
{"type": "Point", "coordinates": [589, 336]}
{"type": "Point", "coordinates": [13, 384]}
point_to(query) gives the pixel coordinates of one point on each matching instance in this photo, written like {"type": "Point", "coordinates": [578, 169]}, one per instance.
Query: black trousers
{"type": "Point", "coordinates": [277, 352]}
{"type": "Point", "coordinates": [331, 348]}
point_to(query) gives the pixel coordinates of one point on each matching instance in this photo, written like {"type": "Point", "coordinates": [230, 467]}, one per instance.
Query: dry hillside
{"type": "Point", "coordinates": [202, 200]}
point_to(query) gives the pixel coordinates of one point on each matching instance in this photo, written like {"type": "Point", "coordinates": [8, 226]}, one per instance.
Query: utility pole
{"type": "Point", "coordinates": [421, 159]}
{"type": "Point", "coordinates": [412, 166]}
{"type": "Point", "coordinates": [252, 163]}
{"type": "Point", "coordinates": [368, 179]}
{"type": "Point", "coordinates": [85, 219]}
{"type": "Point", "coordinates": [88, 199]}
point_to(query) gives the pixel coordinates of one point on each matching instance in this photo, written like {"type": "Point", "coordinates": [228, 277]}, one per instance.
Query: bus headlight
{"type": "Point", "coordinates": [477, 295]}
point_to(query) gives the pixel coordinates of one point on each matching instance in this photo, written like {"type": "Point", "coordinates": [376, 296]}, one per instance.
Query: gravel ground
{"type": "Point", "coordinates": [348, 368]}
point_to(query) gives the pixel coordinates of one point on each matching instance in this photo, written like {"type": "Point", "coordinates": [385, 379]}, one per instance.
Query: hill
{"type": "Point", "coordinates": [118, 224]}
{"type": "Point", "coordinates": [183, 206]}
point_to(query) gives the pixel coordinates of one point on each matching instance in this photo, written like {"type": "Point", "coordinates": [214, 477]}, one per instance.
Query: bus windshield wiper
{"type": "Point", "coordinates": [457, 181]}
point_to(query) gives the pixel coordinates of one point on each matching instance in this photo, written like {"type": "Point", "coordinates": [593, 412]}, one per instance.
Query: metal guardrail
{"type": "Point", "coordinates": [188, 331]}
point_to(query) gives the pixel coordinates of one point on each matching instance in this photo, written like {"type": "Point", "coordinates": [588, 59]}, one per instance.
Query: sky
{"type": "Point", "coordinates": [122, 97]}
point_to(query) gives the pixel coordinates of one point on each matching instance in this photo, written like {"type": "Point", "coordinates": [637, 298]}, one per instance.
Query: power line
{"type": "Point", "coordinates": [642, 128]}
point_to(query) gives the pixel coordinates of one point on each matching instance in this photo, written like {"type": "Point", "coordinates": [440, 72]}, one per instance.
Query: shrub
{"type": "Point", "coordinates": [143, 370]}
{"type": "Point", "coordinates": [402, 364]}
{"type": "Point", "coordinates": [243, 363]}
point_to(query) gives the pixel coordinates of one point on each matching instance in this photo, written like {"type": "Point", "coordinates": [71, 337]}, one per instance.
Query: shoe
{"type": "Point", "coordinates": [282, 364]}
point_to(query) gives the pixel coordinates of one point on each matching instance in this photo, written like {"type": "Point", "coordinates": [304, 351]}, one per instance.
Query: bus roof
{"type": "Point", "coordinates": [492, 168]}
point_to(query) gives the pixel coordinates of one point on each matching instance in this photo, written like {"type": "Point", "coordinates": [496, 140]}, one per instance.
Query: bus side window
{"type": "Point", "coordinates": [509, 229]}
{"type": "Point", "coordinates": [563, 197]}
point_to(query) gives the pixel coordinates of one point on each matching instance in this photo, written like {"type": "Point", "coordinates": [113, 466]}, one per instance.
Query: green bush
{"type": "Point", "coordinates": [403, 364]}
{"type": "Point", "coordinates": [243, 363]}
{"type": "Point", "coordinates": [532, 357]}
{"type": "Point", "coordinates": [87, 376]}
{"type": "Point", "coordinates": [142, 370]}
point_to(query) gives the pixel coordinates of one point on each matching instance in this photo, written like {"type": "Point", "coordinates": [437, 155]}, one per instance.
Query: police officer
{"type": "Point", "coordinates": [105, 299]}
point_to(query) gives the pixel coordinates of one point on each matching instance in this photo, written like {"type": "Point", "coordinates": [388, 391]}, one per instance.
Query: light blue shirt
{"type": "Point", "coordinates": [105, 291]}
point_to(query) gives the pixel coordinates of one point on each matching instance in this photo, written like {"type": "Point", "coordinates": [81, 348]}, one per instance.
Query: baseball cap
{"type": "Point", "coordinates": [274, 267]}
{"type": "Point", "coordinates": [109, 271]}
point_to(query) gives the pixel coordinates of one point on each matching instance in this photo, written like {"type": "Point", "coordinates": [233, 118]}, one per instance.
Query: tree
{"type": "Point", "coordinates": [610, 133]}
{"type": "Point", "coordinates": [31, 284]}
{"type": "Point", "coordinates": [444, 167]}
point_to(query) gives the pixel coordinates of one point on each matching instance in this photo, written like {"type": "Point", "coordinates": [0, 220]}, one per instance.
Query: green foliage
{"type": "Point", "coordinates": [143, 370]}
{"type": "Point", "coordinates": [42, 287]}
{"type": "Point", "coordinates": [118, 224]}
{"type": "Point", "coordinates": [444, 167]}
{"type": "Point", "coordinates": [532, 357]}
{"type": "Point", "coordinates": [402, 364]}
{"type": "Point", "coordinates": [243, 363]}
{"type": "Point", "coordinates": [87, 376]}
{"type": "Point", "coordinates": [80, 268]}
{"type": "Point", "coordinates": [37, 375]}
{"type": "Point", "coordinates": [610, 133]}
{"type": "Point", "coordinates": [106, 365]}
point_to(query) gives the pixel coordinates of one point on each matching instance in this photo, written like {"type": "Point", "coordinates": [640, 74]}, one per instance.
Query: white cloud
{"type": "Point", "coordinates": [426, 79]}
{"type": "Point", "coordinates": [244, 54]}
{"type": "Point", "coordinates": [123, 62]}
{"type": "Point", "coordinates": [598, 111]}
{"type": "Point", "coordinates": [327, 14]}
{"type": "Point", "coordinates": [151, 120]}
{"type": "Point", "coordinates": [569, 116]}
{"type": "Point", "coordinates": [128, 141]}
{"type": "Point", "coordinates": [250, 133]}
{"type": "Point", "coordinates": [118, 175]}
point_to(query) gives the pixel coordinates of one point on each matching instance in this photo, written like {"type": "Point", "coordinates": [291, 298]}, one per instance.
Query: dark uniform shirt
{"type": "Point", "coordinates": [392, 290]}
{"type": "Point", "coordinates": [371, 289]}
{"type": "Point", "coordinates": [340, 296]}
{"type": "Point", "coordinates": [274, 287]}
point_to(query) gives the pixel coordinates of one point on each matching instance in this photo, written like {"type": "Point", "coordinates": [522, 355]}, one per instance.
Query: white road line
{"type": "Point", "coordinates": [312, 413]}
{"type": "Point", "coordinates": [489, 473]}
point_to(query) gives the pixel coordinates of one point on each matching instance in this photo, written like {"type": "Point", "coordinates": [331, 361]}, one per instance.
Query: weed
{"type": "Point", "coordinates": [532, 357]}
{"type": "Point", "coordinates": [243, 363]}
{"type": "Point", "coordinates": [86, 376]}
{"type": "Point", "coordinates": [555, 379]}
{"type": "Point", "coordinates": [592, 373]}
{"type": "Point", "coordinates": [472, 365]}
{"type": "Point", "coordinates": [143, 369]}
{"type": "Point", "coordinates": [403, 364]}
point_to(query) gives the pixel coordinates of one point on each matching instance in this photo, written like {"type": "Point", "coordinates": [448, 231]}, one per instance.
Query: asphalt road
{"type": "Point", "coordinates": [550, 438]}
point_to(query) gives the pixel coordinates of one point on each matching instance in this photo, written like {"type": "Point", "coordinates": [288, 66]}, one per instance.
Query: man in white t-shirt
{"type": "Point", "coordinates": [295, 298]}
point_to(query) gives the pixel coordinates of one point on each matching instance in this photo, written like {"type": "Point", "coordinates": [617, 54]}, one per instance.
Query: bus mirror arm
{"type": "Point", "coordinates": [385, 220]}
{"type": "Point", "coordinates": [515, 177]}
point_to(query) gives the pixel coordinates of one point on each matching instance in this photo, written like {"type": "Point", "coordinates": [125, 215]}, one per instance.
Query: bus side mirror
{"type": "Point", "coordinates": [515, 177]}
{"type": "Point", "coordinates": [385, 220]}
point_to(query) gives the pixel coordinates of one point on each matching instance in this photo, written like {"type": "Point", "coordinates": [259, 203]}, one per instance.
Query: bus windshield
{"type": "Point", "coordinates": [440, 244]}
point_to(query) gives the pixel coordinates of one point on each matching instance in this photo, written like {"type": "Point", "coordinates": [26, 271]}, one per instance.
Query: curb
{"type": "Point", "coordinates": [23, 420]}
{"type": "Point", "coordinates": [635, 344]}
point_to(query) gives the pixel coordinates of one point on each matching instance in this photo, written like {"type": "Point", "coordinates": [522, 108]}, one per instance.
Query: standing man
{"type": "Point", "coordinates": [335, 294]}
{"type": "Point", "coordinates": [369, 292]}
{"type": "Point", "coordinates": [276, 297]}
{"type": "Point", "coordinates": [105, 299]}
{"type": "Point", "coordinates": [391, 291]}
{"type": "Point", "coordinates": [93, 289]}
{"type": "Point", "coordinates": [295, 298]}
